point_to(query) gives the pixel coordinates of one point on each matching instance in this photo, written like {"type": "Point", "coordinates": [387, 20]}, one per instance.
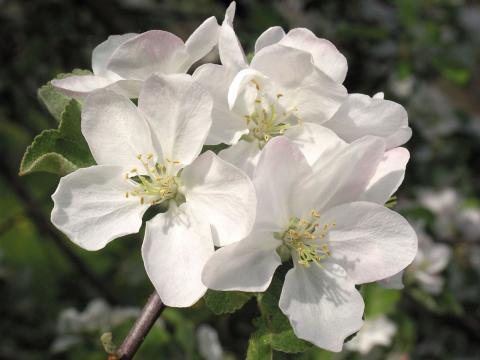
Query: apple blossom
{"type": "Point", "coordinates": [123, 62]}
{"type": "Point", "coordinates": [313, 214]}
{"type": "Point", "coordinates": [291, 87]}
{"type": "Point", "coordinates": [377, 331]}
{"type": "Point", "coordinates": [432, 258]}
{"type": "Point", "coordinates": [147, 156]}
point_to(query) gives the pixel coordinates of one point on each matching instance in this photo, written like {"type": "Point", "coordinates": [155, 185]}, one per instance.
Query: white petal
{"type": "Point", "coordinates": [101, 54]}
{"type": "Point", "coordinates": [244, 155]}
{"type": "Point", "coordinates": [151, 52]}
{"type": "Point", "coordinates": [179, 113]}
{"type": "Point", "coordinates": [283, 64]}
{"type": "Point", "coordinates": [325, 55]}
{"type": "Point", "coordinates": [247, 265]}
{"type": "Point", "coordinates": [316, 142]}
{"type": "Point", "coordinates": [341, 180]}
{"type": "Point", "coordinates": [202, 41]}
{"type": "Point", "coordinates": [80, 86]}
{"type": "Point", "coordinates": [388, 176]}
{"type": "Point", "coordinates": [221, 194]}
{"type": "Point", "coordinates": [176, 247]}
{"type": "Point", "coordinates": [128, 88]}
{"type": "Point", "coordinates": [227, 126]}
{"type": "Point", "coordinates": [279, 169]}
{"type": "Point", "coordinates": [317, 98]}
{"type": "Point", "coordinates": [229, 48]}
{"type": "Point", "coordinates": [393, 282]}
{"type": "Point", "coordinates": [91, 208]}
{"type": "Point", "coordinates": [322, 305]}
{"type": "Point", "coordinates": [269, 37]}
{"type": "Point", "coordinates": [114, 130]}
{"type": "Point", "coordinates": [370, 241]}
{"type": "Point", "coordinates": [362, 115]}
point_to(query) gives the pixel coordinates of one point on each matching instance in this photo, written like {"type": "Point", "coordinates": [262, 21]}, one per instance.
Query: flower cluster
{"type": "Point", "coordinates": [303, 178]}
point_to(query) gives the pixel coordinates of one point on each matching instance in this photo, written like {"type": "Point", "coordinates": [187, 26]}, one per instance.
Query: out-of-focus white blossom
{"type": "Point", "coordinates": [208, 343]}
{"type": "Point", "coordinates": [377, 331]}
{"type": "Point", "coordinates": [432, 258]}
{"type": "Point", "coordinates": [98, 316]}
{"type": "Point", "coordinates": [468, 221]}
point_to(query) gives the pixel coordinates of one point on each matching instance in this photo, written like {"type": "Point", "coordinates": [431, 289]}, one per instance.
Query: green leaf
{"type": "Point", "coordinates": [226, 302]}
{"type": "Point", "coordinates": [259, 346]}
{"type": "Point", "coordinates": [59, 151]}
{"type": "Point", "coordinates": [54, 100]}
{"type": "Point", "coordinates": [378, 300]}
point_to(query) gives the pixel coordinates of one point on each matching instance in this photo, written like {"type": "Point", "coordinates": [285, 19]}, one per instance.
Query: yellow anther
{"type": "Point", "coordinates": [279, 96]}
{"type": "Point", "coordinates": [142, 200]}
{"type": "Point", "coordinates": [139, 156]}
{"type": "Point", "coordinates": [315, 214]}
{"type": "Point", "coordinates": [126, 194]}
{"type": "Point", "coordinates": [149, 156]}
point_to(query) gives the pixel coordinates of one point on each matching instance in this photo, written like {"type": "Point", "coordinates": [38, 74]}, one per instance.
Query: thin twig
{"type": "Point", "coordinates": [150, 313]}
{"type": "Point", "coordinates": [42, 222]}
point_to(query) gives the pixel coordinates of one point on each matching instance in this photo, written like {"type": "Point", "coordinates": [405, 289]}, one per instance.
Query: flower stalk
{"type": "Point", "coordinates": [150, 313]}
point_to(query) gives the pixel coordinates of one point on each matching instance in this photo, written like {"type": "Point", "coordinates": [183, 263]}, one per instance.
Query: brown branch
{"type": "Point", "coordinates": [150, 313]}
{"type": "Point", "coordinates": [42, 222]}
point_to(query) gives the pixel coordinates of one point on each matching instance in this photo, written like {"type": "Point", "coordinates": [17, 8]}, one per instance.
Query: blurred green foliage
{"type": "Point", "coordinates": [423, 54]}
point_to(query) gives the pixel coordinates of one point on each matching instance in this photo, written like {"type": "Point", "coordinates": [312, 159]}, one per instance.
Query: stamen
{"type": "Point", "coordinates": [305, 236]}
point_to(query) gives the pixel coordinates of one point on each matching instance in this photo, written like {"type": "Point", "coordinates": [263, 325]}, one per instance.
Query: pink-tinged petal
{"type": "Point", "coordinates": [340, 180]}
{"type": "Point", "coordinates": [178, 110]}
{"type": "Point", "coordinates": [388, 176]}
{"type": "Point", "coordinates": [115, 132]}
{"type": "Point", "coordinates": [269, 37]}
{"type": "Point", "coordinates": [317, 98]}
{"type": "Point", "coordinates": [370, 241]}
{"type": "Point", "coordinates": [322, 305]}
{"type": "Point", "coordinates": [151, 52]}
{"type": "Point", "coordinates": [202, 41]}
{"type": "Point", "coordinates": [248, 265]}
{"type": "Point", "coordinates": [316, 142]}
{"type": "Point", "coordinates": [278, 172]}
{"type": "Point", "coordinates": [227, 126]}
{"type": "Point", "coordinates": [221, 194]}
{"type": "Point", "coordinates": [361, 115]}
{"type": "Point", "coordinates": [325, 55]}
{"type": "Point", "coordinates": [92, 209]}
{"type": "Point", "coordinates": [229, 48]}
{"type": "Point", "coordinates": [102, 53]}
{"type": "Point", "coordinates": [79, 87]}
{"type": "Point", "coordinates": [285, 65]}
{"type": "Point", "coordinates": [176, 247]}
{"type": "Point", "coordinates": [128, 88]}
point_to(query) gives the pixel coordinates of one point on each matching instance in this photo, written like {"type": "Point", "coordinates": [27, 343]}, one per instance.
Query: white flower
{"type": "Point", "coordinates": [432, 258]}
{"type": "Point", "coordinates": [445, 205]}
{"type": "Point", "coordinates": [378, 331]}
{"type": "Point", "coordinates": [468, 221]}
{"type": "Point", "coordinates": [208, 343]}
{"type": "Point", "coordinates": [123, 62]}
{"type": "Point", "coordinates": [97, 316]}
{"type": "Point", "coordinates": [335, 241]}
{"type": "Point", "coordinates": [292, 87]}
{"type": "Point", "coordinates": [148, 156]}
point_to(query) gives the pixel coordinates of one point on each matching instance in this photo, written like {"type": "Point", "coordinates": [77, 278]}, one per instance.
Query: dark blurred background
{"type": "Point", "coordinates": [56, 299]}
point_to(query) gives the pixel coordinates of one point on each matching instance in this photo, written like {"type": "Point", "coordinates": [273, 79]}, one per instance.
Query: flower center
{"type": "Point", "coordinates": [269, 118]}
{"type": "Point", "coordinates": [307, 239]}
{"type": "Point", "coordinates": [153, 185]}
